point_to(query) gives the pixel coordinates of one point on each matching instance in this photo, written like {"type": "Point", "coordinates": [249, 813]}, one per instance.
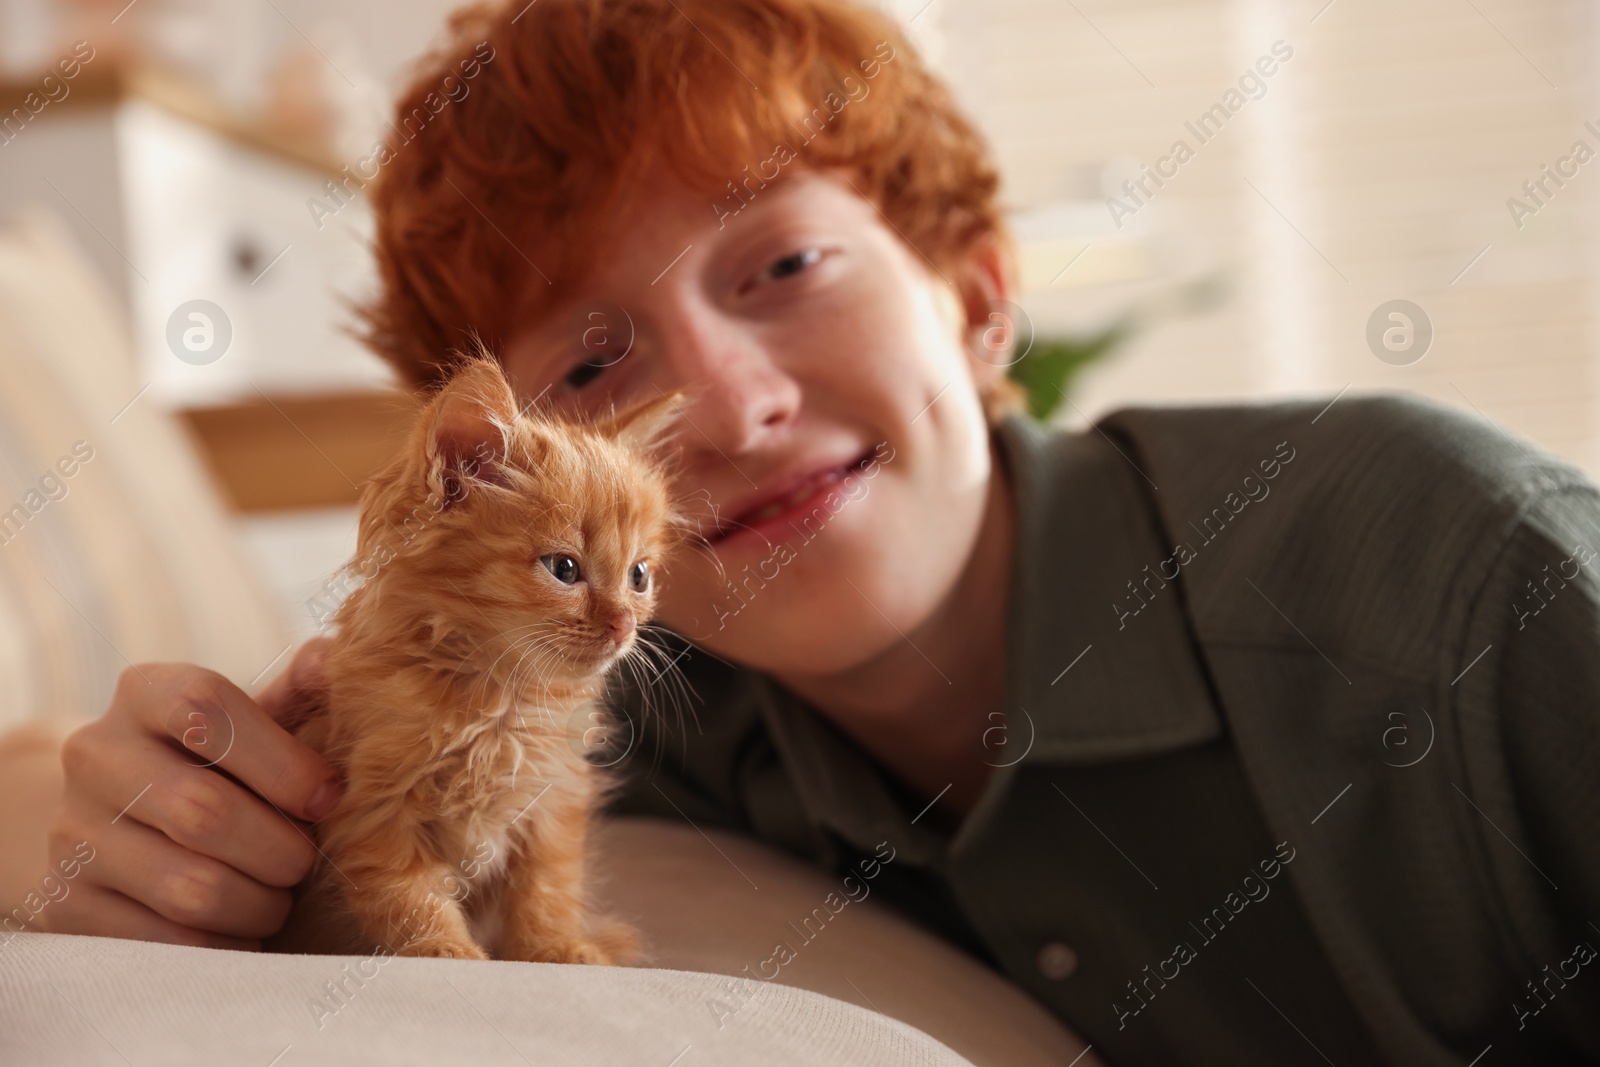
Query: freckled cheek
{"type": "Point", "coordinates": [897, 363]}
{"type": "Point", "coordinates": [867, 317]}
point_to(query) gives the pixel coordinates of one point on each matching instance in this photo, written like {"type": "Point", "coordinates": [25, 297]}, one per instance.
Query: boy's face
{"type": "Point", "coordinates": [809, 337]}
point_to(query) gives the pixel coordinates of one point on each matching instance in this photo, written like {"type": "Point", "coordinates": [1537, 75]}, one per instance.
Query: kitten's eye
{"type": "Point", "coordinates": [564, 567]}
{"type": "Point", "coordinates": [639, 576]}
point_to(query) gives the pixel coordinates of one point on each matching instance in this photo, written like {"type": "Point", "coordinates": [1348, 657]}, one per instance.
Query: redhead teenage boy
{"type": "Point", "coordinates": [1254, 734]}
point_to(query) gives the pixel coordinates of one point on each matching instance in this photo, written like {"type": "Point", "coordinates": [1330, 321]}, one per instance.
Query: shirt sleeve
{"type": "Point", "coordinates": [1530, 743]}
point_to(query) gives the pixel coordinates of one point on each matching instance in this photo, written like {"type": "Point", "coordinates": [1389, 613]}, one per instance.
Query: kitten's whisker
{"type": "Point", "coordinates": [648, 653]}
{"type": "Point", "coordinates": [636, 666]}
{"type": "Point", "coordinates": [670, 680]}
{"type": "Point", "coordinates": [746, 526]}
{"type": "Point", "coordinates": [654, 648]}
{"type": "Point", "coordinates": [630, 663]}
{"type": "Point", "coordinates": [706, 551]}
{"type": "Point", "coordinates": [541, 668]}
{"type": "Point", "coordinates": [532, 647]}
{"type": "Point", "coordinates": [513, 644]}
{"type": "Point", "coordinates": [504, 704]}
{"type": "Point", "coordinates": [490, 669]}
{"type": "Point", "coordinates": [523, 668]}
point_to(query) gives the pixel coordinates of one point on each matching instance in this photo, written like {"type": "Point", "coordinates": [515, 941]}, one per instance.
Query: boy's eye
{"type": "Point", "coordinates": [563, 567]}
{"type": "Point", "coordinates": [793, 263]}
{"type": "Point", "coordinates": [583, 374]}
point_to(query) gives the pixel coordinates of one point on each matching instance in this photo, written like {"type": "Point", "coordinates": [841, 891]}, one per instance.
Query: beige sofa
{"type": "Point", "coordinates": [132, 558]}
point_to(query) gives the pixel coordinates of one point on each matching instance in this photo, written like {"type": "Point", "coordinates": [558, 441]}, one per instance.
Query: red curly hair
{"type": "Point", "coordinates": [570, 106]}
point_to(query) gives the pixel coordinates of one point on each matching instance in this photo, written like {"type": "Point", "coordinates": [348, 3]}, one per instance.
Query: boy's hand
{"type": "Point", "coordinates": [182, 852]}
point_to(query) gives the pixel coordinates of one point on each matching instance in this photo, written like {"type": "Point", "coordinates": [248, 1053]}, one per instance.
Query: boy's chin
{"type": "Point", "coordinates": [794, 643]}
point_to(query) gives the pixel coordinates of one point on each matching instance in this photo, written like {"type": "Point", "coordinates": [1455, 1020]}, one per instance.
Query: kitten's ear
{"type": "Point", "coordinates": [644, 425]}
{"type": "Point", "coordinates": [469, 429]}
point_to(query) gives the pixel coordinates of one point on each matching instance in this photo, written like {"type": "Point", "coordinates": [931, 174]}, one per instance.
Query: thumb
{"type": "Point", "coordinates": [304, 682]}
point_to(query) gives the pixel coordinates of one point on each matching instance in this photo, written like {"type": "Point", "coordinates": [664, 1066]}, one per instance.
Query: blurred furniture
{"type": "Point", "coordinates": [131, 556]}
{"type": "Point", "coordinates": [175, 201]}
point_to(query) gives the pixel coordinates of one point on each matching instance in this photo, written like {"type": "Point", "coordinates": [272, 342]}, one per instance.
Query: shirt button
{"type": "Point", "coordinates": [1057, 961]}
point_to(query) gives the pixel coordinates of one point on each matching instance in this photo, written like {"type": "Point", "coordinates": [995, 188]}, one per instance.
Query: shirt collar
{"type": "Point", "coordinates": [1088, 678]}
{"type": "Point", "coordinates": [1101, 661]}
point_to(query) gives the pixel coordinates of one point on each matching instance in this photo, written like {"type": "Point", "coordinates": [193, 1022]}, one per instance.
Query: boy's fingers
{"type": "Point", "coordinates": [145, 781]}
{"type": "Point", "coordinates": [221, 727]}
{"type": "Point", "coordinates": [103, 912]}
{"type": "Point", "coordinates": [302, 680]}
{"type": "Point", "coordinates": [186, 888]}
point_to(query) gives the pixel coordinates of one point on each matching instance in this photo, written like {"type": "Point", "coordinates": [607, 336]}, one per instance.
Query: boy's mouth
{"type": "Point", "coordinates": [787, 498]}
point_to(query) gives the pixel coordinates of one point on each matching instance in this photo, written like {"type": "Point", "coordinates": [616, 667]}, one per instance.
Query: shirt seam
{"type": "Point", "coordinates": [1514, 957]}
{"type": "Point", "coordinates": [1387, 669]}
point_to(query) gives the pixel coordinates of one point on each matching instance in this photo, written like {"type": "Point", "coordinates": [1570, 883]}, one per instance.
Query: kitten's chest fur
{"type": "Point", "coordinates": [485, 785]}
{"type": "Point", "coordinates": [469, 775]}
{"type": "Point", "coordinates": [471, 783]}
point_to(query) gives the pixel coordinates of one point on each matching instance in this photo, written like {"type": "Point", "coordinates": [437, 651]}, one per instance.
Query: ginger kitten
{"type": "Point", "coordinates": [511, 561]}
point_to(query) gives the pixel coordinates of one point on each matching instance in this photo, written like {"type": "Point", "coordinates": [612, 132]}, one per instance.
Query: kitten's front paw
{"type": "Point", "coordinates": [612, 944]}
{"type": "Point", "coordinates": [574, 951]}
{"type": "Point", "coordinates": [619, 942]}
{"type": "Point", "coordinates": [444, 948]}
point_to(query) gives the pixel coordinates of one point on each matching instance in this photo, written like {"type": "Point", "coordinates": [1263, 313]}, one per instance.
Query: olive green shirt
{"type": "Point", "coordinates": [1300, 753]}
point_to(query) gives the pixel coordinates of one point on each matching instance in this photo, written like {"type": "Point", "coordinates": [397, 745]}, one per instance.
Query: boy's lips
{"type": "Point", "coordinates": [787, 495]}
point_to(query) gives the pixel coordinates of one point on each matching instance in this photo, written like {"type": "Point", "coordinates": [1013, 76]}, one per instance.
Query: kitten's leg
{"type": "Point", "coordinates": [413, 913]}
{"type": "Point", "coordinates": [401, 897]}
{"type": "Point", "coordinates": [547, 916]}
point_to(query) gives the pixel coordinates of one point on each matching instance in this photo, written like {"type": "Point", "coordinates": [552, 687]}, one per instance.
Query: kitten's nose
{"type": "Point", "coordinates": [620, 628]}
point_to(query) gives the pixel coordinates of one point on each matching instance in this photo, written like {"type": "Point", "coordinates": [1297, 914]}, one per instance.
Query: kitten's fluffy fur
{"type": "Point", "coordinates": [465, 673]}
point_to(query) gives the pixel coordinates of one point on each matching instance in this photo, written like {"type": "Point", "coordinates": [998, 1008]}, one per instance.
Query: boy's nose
{"type": "Point", "coordinates": [737, 390]}
{"type": "Point", "coordinates": [735, 397]}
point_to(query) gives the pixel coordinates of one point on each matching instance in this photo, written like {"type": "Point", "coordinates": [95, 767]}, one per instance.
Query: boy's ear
{"type": "Point", "coordinates": [644, 425]}
{"type": "Point", "coordinates": [984, 286]}
{"type": "Point", "coordinates": [469, 430]}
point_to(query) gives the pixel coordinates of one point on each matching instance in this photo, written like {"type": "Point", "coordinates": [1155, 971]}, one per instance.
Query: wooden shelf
{"type": "Point", "coordinates": [110, 81]}
{"type": "Point", "coordinates": [288, 452]}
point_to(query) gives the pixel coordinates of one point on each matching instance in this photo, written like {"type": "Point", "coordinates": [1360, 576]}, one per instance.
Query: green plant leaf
{"type": "Point", "coordinates": [1053, 363]}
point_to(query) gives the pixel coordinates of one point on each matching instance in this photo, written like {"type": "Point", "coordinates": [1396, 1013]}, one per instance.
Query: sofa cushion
{"type": "Point", "coordinates": [66, 999]}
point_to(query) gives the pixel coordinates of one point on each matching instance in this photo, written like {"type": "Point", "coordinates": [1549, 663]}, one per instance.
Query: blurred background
{"type": "Point", "coordinates": [1368, 196]}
